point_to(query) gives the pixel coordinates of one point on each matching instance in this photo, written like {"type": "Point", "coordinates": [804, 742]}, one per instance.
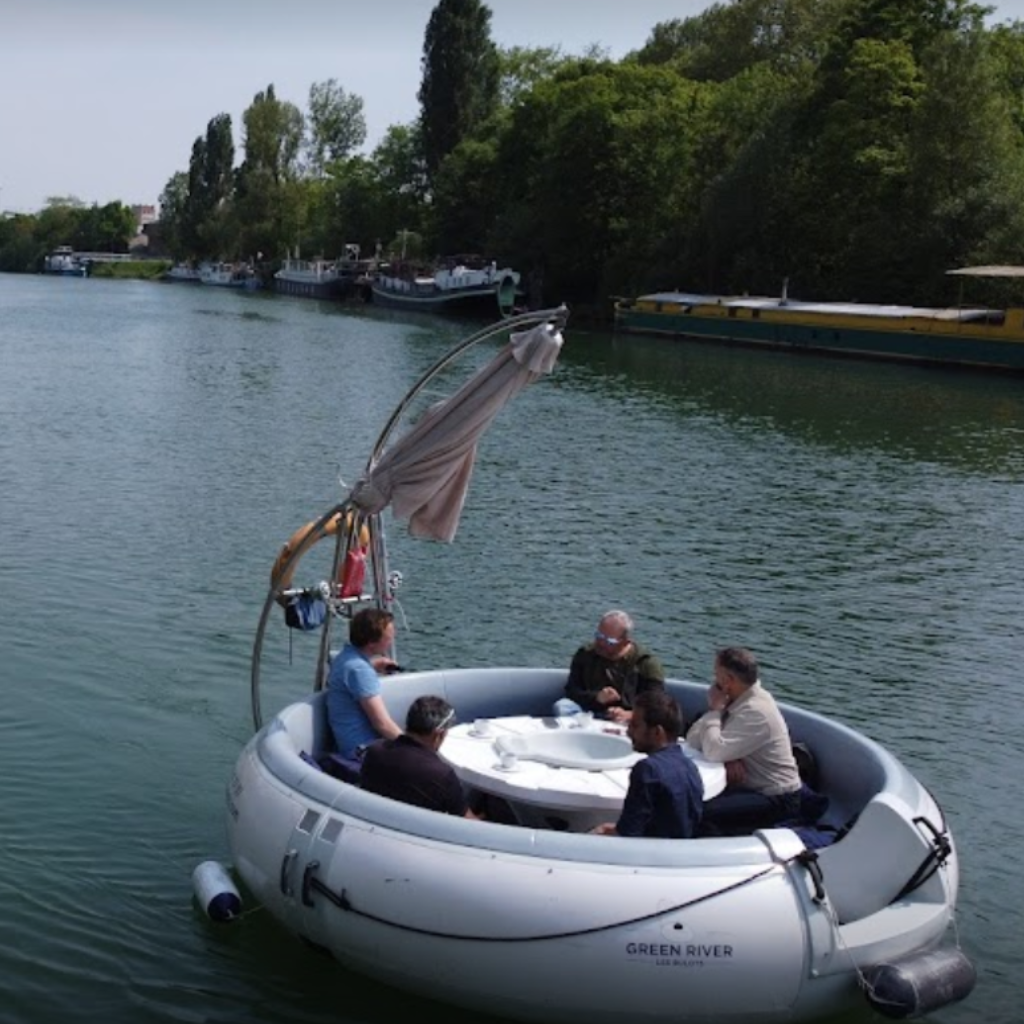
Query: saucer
{"type": "Point", "coordinates": [502, 768]}
{"type": "Point", "coordinates": [481, 735]}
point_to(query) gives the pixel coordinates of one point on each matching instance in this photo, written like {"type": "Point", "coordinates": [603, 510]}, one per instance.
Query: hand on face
{"type": "Point", "coordinates": [718, 699]}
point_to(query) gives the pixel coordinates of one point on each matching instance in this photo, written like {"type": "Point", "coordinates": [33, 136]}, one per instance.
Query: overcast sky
{"type": "Point", "coordinates": [102, 99]}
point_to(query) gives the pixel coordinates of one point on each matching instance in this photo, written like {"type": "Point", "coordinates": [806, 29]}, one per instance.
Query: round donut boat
{"type": "Point", "coordinates": [538, 924]}
{"type": "Point", "coordinates": [553, 926]}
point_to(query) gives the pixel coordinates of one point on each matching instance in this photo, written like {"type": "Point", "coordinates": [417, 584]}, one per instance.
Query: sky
{"type": "Point", "coordinates": [102, 99]}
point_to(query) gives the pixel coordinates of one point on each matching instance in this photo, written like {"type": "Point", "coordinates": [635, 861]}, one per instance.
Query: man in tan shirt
{"type": "Point", "coordinates": [744, 729]}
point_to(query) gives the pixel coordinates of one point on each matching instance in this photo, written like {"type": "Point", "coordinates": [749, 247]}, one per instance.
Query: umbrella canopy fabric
{"type": "Point", "coordinates": [424, 476]}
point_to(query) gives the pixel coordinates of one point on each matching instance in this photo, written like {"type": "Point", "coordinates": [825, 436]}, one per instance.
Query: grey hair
{"type": "Point", "coordinates": [622, 618]}
{"type": "Point", "coordinates": [427, 715]}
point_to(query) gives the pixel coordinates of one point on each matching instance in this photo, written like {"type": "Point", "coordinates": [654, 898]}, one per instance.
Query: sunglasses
{"type": "Point", "coordinates": [611, 641]}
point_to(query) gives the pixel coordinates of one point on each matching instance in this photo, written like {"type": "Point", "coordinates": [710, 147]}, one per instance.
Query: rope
{"type": "Point", "coordinates": [343, 902]}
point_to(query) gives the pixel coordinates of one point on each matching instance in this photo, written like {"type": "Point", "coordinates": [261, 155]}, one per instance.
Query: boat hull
{"type": "Point", "coordinates": [472, 302]}
{"type": "Point", "coordinates": [540, 925]}
{"type": "Point", "coordinates": [181, 274]}
{"type": "Point", "coordinates": [318, 279]}
{"type": "Point", "coordinates": [451, 290]}
{"type": "Point", "coordinates": [333, 288]}
{"type": "Point", "coordinates": [929, 337]}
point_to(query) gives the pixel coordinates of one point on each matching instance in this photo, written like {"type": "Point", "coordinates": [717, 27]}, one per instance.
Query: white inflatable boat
{"type": "Point", "coordinates": [540, 923]}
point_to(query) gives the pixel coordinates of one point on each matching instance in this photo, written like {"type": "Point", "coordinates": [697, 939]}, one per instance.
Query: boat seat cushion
{"type": "Point", "coordinates": [348, 769]}
{"type": "Point", "coordinates": [868, 868]}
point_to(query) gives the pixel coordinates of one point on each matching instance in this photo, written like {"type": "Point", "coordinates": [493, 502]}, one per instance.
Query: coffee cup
{"type": "Point", "coordinates": [509, 760]}
{"type": "Point", "coordinates": [585, 719]}
{"type": "Point", "coordinates": [482, 727]}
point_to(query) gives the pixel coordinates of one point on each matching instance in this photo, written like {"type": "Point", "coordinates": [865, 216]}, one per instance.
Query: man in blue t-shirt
{"type": "Point", "coordinates": [355, 708]}
{"type": "Point", "coordinates": [665, 796]}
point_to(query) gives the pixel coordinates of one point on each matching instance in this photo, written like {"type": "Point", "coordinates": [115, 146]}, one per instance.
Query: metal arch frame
{"type": "Point", "coordinates": [558, 316]}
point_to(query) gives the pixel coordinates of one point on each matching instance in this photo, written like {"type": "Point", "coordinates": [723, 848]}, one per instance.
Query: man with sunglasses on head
{"type": "Point", "coordinates": [408, 768]}
{"type": "Point", "coordinates": [608, 674]}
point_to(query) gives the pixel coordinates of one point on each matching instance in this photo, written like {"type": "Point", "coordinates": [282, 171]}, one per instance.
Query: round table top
{"type": "Point", "coordinates": [477, 759]}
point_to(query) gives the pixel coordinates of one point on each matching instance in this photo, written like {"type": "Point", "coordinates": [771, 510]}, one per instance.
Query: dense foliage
{"type": "Point", "coordinates": [859, 148]}
{"type": "Point", "coordinates": [459, 90]}
{"type": "Point", "coordinates": [25, 240]}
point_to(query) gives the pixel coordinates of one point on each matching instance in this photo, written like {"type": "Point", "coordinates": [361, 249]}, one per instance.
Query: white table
{"type": "Point", "coordinates": [582, 797]}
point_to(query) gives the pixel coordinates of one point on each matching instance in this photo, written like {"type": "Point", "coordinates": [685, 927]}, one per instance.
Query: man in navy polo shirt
{"type": "Point", "coordinates": [408, 768]}
{"type": "Point", "coordinates": [665, 796]}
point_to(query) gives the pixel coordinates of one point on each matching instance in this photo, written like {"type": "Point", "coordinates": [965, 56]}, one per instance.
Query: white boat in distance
{"type": "Point", "coordinates": [538, 924]}
{"type": "Point", "coordinates": [460, 284]}
{"type": "Point", "coordinates": [184, 273]}
{"type": "Point", "coordinates": [228, 275]}
{"type": "Point", "coordinates": [63, 262]}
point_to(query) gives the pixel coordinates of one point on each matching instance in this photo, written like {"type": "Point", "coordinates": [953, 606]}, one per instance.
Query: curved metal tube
{"type": "Point", "coordinates": [271, 601]}
{"type": "Point", "coordinates": [558, 316]}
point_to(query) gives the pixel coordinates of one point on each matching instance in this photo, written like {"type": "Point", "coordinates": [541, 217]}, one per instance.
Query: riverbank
{"type": "Point", "coordinates": [136, 270]}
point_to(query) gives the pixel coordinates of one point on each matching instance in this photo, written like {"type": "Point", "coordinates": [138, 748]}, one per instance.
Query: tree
{"type": "Point", "coordinates": [401, 178]}
{"type": "Point", "coordinates": [966, 180]}
{"type": "Point", "coordinates": [219, 163]}
{"type": "Point", "coordinates": [105, 228]}
{"type": "Point", "coordinates": [58, 221]}
{"type": "Point", "coordinates": [337, 126]}
{"type": "Point", "coordinates": [467, 198]}
{"type": "Point", "coordinates": [20, 248]}
{"type": "Point", "coordinates": [196, 206]}
{"type": "Point", "coordinates": [271, 207]}
{"type": "Point", "coordinates": [173, 211]}
{"type": "Point", "coordinates": [459, 88]}
{"type": "Point", "coordinates": [727, 39]}
{"type": "Point", "coordinates": [210, 188]}
{"type": "Point", "coordinates": [521, 68]}
{"type": "Point", "coordinates": [1006, 48]}
{"type": "Point", "coordinates": [734, 233]}
{"type": "Point", "coordinates": [583, 213]}
{"type": "Point", "coordinates": [273, 136]}
{"type": "Point", "coordinates": [356, 198]}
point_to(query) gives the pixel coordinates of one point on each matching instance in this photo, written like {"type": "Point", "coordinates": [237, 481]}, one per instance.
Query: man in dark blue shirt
{"type": "Point", "coordinates": [665, 795]}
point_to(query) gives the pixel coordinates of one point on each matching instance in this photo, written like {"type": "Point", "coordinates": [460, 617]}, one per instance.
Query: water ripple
{"type": "Point", "coordinates": [859, 527]}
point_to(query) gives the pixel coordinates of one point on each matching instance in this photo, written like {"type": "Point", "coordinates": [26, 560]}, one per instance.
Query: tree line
{"type": "Point", "coordinates": [857, 148]}
{"type": "Point", "coordinates": [26, 239]}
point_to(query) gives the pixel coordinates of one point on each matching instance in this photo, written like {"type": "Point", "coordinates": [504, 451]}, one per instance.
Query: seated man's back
{"type": "Point", "coordinates": [408, 767]}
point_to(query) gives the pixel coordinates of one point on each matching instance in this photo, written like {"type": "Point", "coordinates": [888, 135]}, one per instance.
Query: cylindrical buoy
{"type": "Point", "coordinates": [919, 984]}
{"type": "Point", "coordinates": [215, 891]}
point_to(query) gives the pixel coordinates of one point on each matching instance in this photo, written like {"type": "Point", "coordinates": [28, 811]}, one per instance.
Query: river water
{"type": "Point", "coordinates": [861, 527]}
